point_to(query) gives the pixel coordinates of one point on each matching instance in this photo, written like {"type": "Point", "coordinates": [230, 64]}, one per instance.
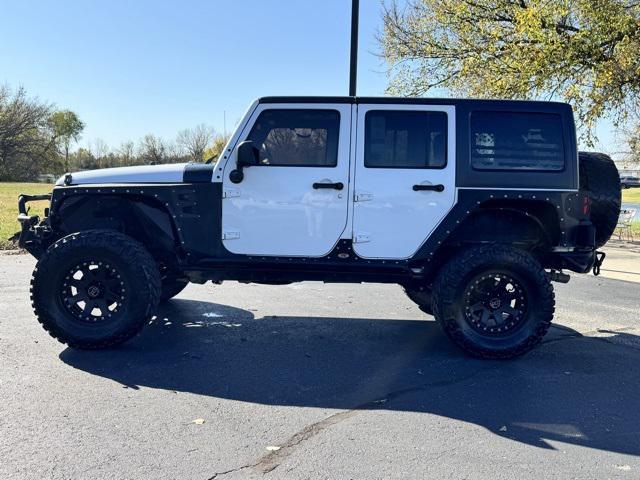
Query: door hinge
{"type": "Point", "coordinates": [361, 238]}
{"type": "Point", "coordinates": [230, 235]}
{"type": "Point", "coordinates": [230, 193]}
{"type": "Point", "coordinates": [362, 197]}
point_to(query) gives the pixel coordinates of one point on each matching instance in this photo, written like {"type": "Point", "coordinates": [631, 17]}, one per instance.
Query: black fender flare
{"type": "Point", "coordinates": [141, 217]}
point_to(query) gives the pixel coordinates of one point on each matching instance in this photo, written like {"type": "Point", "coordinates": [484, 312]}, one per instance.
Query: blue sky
{"type": "Point", "coordinates": [134, 67]}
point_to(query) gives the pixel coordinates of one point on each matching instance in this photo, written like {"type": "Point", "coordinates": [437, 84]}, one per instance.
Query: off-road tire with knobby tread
{"type": "Point", "coordinates": [449, 307]}
{"type": "Point", "coordinates": [599, 178]}
{"type": "Point", "coordinates": [422, 298]}
{"type": "Point", "coordinates": [139, 273]}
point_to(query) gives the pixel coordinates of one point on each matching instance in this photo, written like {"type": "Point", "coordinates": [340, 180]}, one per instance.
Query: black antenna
{"type": "Point", "coordinates": [353, 77]}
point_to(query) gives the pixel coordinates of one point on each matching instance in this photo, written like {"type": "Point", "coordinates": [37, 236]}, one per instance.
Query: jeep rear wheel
{"type": "Point", "coordinates": [494, 301]}
{"type": "Point", "coordinates": [95, 289]}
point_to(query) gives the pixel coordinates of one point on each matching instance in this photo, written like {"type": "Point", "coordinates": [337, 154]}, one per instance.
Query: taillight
{"type": "Point", "coordinates": [586, 205]}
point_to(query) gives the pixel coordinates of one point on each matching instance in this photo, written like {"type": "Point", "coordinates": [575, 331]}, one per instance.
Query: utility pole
{"type": "Point", "coordinates": [353, 76]}
{"type": "Point", "coordinates": [224, 122]}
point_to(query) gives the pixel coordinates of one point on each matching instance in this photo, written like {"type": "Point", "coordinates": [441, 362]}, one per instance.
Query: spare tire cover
{"type": "Point", "coordinates": [600, 178]}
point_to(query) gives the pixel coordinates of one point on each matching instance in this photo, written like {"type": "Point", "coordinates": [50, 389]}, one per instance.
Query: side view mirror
{"type": "Point", "coordinates": [248, 156]}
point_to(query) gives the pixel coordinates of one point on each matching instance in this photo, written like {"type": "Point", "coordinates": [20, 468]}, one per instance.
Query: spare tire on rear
{"type": "Point", "coordinates": [599, 178]}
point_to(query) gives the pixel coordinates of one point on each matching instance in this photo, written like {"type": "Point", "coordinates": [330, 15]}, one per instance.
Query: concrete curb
{"type": "Point", "coordinates": [17, 251]}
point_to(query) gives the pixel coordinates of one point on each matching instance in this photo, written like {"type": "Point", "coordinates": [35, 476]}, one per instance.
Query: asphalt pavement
{"type": "Point", "coordinates": [321, 382]}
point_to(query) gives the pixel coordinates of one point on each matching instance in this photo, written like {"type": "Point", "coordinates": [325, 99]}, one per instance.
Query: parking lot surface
{"type": "Point", "coordinates": [321, 382]}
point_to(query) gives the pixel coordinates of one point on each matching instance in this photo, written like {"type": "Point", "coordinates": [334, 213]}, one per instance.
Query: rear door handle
{"type": "Point", "coordinates": [335, 186]}
{"type": "Point", "coordinates": [434, 188]}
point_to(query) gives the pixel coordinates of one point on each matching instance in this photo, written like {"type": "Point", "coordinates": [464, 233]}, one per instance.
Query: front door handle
{"type": "Point", "coordinates": [434, 188]}
{"type": "Point", "coordinates": [335, 186]}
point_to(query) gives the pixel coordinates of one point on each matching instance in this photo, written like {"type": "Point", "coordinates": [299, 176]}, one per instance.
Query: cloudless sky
{"type": "Point", "coordinates": [134, 67]}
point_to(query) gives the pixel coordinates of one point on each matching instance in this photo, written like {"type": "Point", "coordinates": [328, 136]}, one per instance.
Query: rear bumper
{"type": "Point", "coordinates": [576, 261]}
{"type": "Point", "coordinates": [33, 232]}
{"type": "Point", "coordinates": [580, 254]}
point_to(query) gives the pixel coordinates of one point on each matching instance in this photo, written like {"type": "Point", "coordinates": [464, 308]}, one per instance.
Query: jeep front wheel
{"type": "Point", "coordinates": [172, 287]}
{"type": "Point", "coordinates": [421, 296]}
{"type": "Point", "coordinates": [494, 301]}
{"type": "Point", "coordinates": [95, 289]}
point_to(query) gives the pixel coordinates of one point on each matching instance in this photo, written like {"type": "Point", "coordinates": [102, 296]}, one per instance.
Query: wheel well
{"type": "Point", "coordinates": [528, 224]}
{"type": "Point", "coordinates": [140, 217]}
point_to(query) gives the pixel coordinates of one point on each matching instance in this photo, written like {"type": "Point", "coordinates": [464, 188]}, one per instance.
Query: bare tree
{"type": "Point", "coordinates": [152, 150]}
{"type": "Point", "coordinates": [195, 141]}
{"type": "Point", "coordinates": [174, 153]}
{"type": "Point", "coordinates": [127, 153]}
{"type": "Point", "coordinates": [100, 150]}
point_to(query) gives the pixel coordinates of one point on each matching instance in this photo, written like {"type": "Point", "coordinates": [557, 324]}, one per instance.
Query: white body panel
{"type": "Point", "coordinates": [275, 210]}
{"type": "Point", "coordinates": [393, 220]}
{"type": "Point", "coordinates": [172, 173]}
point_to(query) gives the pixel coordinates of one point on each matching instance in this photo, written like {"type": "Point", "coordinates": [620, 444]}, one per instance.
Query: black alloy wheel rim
{"type": "Point", "coordinates": [495, 304]}
{"type": "Point", "coordinates": [93, 292]}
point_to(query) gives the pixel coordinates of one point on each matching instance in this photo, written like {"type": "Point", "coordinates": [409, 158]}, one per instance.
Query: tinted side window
{"type": "Point", "coordinates": [307, 138]}
{"type": "Point", "coordinates": [402, 139]}
{"type": "Point", "coordinates": [516, 141]}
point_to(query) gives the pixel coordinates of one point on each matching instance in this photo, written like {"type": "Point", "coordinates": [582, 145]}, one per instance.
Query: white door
{"type": "Point", "coordinates": [294, 203]}
{"type": "Point", "coordinates": [404, 177]}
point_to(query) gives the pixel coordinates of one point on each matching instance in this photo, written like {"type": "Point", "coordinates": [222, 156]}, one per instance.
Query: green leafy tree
{"type": "Point", "coordinates": [586, 52]}
{"type": "Point", "coordinates": [82, 159]}
{"type": "Point", "coordinates": [26, 145]}
{"type": "Point", "coordinates": [66, 127]}
{"type": "Point", "coordinates": [216, 148]}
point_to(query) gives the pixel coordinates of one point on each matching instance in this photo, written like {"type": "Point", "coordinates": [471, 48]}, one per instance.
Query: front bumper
{"type": "Point", "coordinates": [33, 231]}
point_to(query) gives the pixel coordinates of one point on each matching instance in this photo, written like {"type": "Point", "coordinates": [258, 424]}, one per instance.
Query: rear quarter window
{"type": "Point", "coordinates": [517, 141]}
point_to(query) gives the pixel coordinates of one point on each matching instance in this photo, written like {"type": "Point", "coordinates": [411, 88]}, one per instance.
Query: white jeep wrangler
{"type": "Point", "coordinates": [473, 206]}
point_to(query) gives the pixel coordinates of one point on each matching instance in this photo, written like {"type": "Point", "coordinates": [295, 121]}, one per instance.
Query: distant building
{"type": "Point", "coordinates": [630, 172]}
{"type": "Point", "coordinates": [47, 178]}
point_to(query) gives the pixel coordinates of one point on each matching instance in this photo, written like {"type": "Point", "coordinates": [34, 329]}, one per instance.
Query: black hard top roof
{"type": "Point", "coordinates": [408, 101]}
